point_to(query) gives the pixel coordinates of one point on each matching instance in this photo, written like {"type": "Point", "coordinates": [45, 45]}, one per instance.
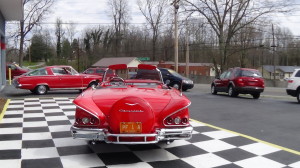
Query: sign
{"type": "Point", "coordinates": [144, 58]}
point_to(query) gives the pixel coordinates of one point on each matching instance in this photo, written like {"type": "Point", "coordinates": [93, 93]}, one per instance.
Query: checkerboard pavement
{"type": "Point", "coordinates": [35, 133]}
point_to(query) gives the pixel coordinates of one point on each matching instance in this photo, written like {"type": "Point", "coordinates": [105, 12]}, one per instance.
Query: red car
{"type": "Point", "coordinates": [123, 110]}
{"type": "Point", "coordinates": [99, 71]}
{"type": "Point", "coordinates": [16, 70]}
{"type": "Point", "coordinates": [239, 80]}
{"type": "Point", "coordinates": [41, 80]}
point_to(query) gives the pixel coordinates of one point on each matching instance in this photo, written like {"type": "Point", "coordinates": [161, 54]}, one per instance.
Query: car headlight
{"type": "Point", "coordinates": [185, 81]}
{"type": "Point", "coordinates": [188, 81]}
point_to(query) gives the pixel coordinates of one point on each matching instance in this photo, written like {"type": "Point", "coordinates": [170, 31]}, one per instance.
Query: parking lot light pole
{"type": "Point", "coordinates": [176, 7]}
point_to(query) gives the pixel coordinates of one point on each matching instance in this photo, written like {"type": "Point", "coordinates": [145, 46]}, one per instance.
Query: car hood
{"type": "Point", "coordinates": [157, 99]}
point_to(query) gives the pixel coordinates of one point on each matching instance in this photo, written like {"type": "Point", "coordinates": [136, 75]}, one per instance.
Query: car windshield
{"type": "Point", "coordinates": [37, 72]}
{"type": "Point", "coordinates": [249, 73]}
{"type": "Point", "coordinates": [141, 77]}
{"type": "Point", "coordinates": [175, 73]}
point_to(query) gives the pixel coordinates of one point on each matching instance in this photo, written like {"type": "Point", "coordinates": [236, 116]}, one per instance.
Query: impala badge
{"type": "Point", "coordinates": [131, 111]}
{"type": "Point", "coordinates": [133, 104]}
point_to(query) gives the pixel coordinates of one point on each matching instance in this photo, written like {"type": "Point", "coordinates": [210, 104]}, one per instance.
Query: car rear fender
{"type": "Point", "coordinates": [46, 84]}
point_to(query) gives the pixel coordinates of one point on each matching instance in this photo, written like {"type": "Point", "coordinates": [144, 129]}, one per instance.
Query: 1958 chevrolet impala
{"type": "Point", "coordinates": [133, 108]}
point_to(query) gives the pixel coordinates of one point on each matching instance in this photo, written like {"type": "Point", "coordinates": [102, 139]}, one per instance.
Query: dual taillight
{"type": "Point", "coordinates": [84, 118]}
{"type": "Point", "coordinates": [180, 118]}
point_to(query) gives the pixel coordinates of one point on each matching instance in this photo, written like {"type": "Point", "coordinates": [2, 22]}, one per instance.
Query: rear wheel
{"type": "Point", "coordinates": [298, 95]}
{"type": "Point", "coordinates": [256, 95]}
{"type": "Point", "coordinates": [232, 92]}
{"type": "Point", "coordinates": [213, 90]}
{"type": "Point", "coordinates": [41, 89]}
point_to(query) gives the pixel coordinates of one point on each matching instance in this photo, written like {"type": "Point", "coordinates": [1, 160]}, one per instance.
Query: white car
{"type": "Point", "coordinates": [293, 87]}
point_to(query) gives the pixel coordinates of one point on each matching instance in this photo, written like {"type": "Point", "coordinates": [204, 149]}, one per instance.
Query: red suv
{"type": "Point", "coordinates": [239, 80]}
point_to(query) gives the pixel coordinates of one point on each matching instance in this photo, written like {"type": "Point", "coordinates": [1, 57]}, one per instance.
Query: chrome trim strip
{"type": "Point", "coordinates": [67, 88]}
{"type": "Point", "coordinates": [160, 135]}
{"type": "Point", "coordinates": [175, 113]}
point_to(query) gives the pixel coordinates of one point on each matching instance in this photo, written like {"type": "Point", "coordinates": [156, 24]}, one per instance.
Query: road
{"type": "Point", "coordinates": [273, 118]}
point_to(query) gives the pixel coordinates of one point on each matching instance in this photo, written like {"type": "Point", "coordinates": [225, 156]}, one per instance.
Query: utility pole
{"type": "Point", "coordinates": [273, 52]}
{"type": "Point", "coordinates": [176, 7]}
{"type": "Point", "coordinates": [29, 50]}
{"type": "Point", "coordinates": [187, 52]}
{"type": "Point", "coordinates": [78, 53]}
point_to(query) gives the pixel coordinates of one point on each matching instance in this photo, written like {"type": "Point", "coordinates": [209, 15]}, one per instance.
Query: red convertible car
{"type": "Point", "coordinates": [41, 80]}
{"type": "Point", "coordinates": [123, 110]}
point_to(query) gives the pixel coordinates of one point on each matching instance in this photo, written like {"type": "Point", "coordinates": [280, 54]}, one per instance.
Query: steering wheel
{"type": "Point", "coordinates": [117, 81]}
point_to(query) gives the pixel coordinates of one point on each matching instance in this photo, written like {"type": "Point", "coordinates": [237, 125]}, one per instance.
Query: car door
{"type": "Point", "coordinates": [68, 80]}
{"type": "Point", "coordinates": [219, 82]}
{"type": "Point", "coordinates": [226, 80]}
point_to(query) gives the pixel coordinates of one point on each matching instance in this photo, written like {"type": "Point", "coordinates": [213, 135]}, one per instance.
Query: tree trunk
{"type": "Point", "coordinates": [21, 43]}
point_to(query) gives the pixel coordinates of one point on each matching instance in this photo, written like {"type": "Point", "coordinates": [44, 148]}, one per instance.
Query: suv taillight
{"type": "Point", "coordinates": [290, 81]}
{"type": "Point", "coordinates": [240, 82]}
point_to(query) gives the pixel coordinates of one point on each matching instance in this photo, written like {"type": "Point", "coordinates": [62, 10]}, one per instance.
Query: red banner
{"type": "Point", "coordinates": [2, 46]}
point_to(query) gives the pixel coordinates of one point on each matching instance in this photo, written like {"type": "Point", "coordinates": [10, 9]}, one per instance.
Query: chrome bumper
{"type": "Point", "coordinates": [165, 134]}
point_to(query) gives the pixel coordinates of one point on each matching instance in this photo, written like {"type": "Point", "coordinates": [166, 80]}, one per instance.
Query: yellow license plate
{"type": "Point", "coordinates": [130, 127]}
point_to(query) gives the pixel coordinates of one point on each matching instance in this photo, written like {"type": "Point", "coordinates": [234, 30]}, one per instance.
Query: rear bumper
{"type": "Point", "coordinates": [160, 135]}
{"type": "Point", "coordinates": [16, 84]}
{"type": "Point", "coordinates": [249, 89]}
{"type": "Point", "coordinates": [291, 92]}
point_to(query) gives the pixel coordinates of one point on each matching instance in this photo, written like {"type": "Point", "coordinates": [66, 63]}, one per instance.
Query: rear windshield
{"type": "Point", "coordinates": [250, 73]}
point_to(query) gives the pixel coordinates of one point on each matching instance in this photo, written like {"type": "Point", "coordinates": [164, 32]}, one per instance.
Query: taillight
{"type": "Point", "coordinates": [85, 118]}
{"type": "Point", "coordinates": [181, 118]}
{"type": "Point", "coordinates": [240, 82]}
{"type": "Point", "coordinates": [290, 81]}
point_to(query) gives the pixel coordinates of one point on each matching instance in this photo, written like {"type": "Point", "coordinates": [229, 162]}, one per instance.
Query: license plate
{"type": "Point", "coordinates": [130, 127]}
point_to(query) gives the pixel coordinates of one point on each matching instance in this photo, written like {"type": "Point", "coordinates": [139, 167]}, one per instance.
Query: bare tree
{"type": "Point", "coordinates": [227, 17]}
{"type": "Point", "coordinates": [34, 12]}
{"type": "Point", "coordinates": [119, 11]}
{"type": "Point", "coordinates": [154, 12]}
{"type": "Point", "coordinates": [59, 32]}
{"type": "Point", "coordinates": [71, 30]}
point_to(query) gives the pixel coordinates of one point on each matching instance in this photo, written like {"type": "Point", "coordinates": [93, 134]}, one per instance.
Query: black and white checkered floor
{"type": "Point", "coordinates": [35, 133]}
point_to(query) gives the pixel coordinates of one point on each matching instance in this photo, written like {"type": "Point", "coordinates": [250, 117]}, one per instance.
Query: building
{"type": "Point", "coordinates": [199, 69]}
{"type": "Point", "coordinates": [9, 10]}
{"type": "Point", "coordinates": [281, 72]}
{"type": "Point", "coordinates": [131, 62]}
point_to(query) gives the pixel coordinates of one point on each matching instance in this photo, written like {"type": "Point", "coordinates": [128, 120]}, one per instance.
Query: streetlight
{"type": "Point", "coordinates": [273, 49]}
{"type": "Point", "coordinates": [176, 7]}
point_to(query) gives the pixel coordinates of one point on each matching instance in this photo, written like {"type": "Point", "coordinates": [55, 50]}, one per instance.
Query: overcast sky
{"type": "Point", "coordinates": [95, 11]}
